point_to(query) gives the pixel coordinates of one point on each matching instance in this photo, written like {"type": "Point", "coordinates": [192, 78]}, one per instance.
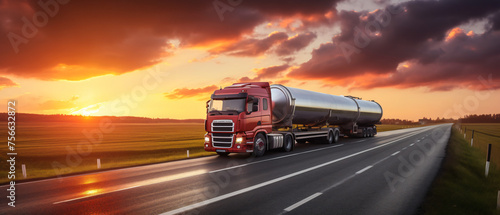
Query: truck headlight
{"type": "Point", "coordinates": [207, 139]}
{"type": "Point", "coordinates": [239, 139]}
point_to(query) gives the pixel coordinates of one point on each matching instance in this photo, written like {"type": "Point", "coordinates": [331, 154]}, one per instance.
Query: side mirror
{"type": "Point", "coordinates": [255, 107]}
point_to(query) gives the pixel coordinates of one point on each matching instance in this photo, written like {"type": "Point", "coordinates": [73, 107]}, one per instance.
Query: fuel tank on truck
{"type": "Point", "coordinates": [304, 107]}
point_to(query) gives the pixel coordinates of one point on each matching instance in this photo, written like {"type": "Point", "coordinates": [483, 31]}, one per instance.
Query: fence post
{"type": "Point", "coordinates": [24, 171]}
{"type": "Point", "coordinates": [465, 132]}
{"type": "Point", "coordinates": [188, 153]}
{"type": "Point", "coordinates": [498, 200]}
{"type": "Point", "coordinates": [98, 163]}
{"type": "Point", "coordinates": [472, 138]}
{"type": "Point", "coordinates": [487, 167]}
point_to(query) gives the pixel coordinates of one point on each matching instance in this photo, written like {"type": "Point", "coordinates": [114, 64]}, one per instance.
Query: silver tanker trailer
{"type": "Point", "coordinates": [255, 117]}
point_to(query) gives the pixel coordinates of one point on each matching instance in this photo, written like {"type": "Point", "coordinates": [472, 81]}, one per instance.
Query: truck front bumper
{"type": "Point", "coordinates": [237, 148]}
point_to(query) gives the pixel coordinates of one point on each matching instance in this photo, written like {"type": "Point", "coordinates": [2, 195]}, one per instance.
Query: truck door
{"type": "Point", "coordinates": [254, 118]}
{"type": "Point", "coordinates": [266, 112]}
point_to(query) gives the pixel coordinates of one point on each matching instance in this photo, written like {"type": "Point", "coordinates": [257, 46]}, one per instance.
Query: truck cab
{"type": "Point", "coordinates": [236, 115]}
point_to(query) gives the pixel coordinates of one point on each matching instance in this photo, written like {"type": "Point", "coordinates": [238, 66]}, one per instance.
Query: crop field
{"type": "Point", "coordinates": [49, 149]}
{"type": "Point", "coordinates": [481, 141]}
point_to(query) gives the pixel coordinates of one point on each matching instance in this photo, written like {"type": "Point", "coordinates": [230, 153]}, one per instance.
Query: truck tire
{"type": "Point", "coordinates": [330, 137]}
{"type": "Point", "coordinates": [336, 136]}
{"type": "Point", "coordinates": [223, 154]}
{"type": "Point", "coordinates": [288, 143]}
{"type": "Point", "coordinates": [259, 145]}
{"type": "Point", "coordinates": [364, 133]}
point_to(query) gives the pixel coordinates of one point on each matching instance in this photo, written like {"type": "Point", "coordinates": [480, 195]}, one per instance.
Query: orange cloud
{"type": "Point", "coordinates": [5, 82]}
{"type": "Point", "coordinates": [264, 74]}
{"type": "Point", "coordinates": [94, 38]}
{"type": "Point", "coordinates": [182, 93]}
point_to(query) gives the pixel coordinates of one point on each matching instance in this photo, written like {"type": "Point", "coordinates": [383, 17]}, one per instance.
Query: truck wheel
{"type": "Point", "coordinates": [223, 154]}
{"type": "Point", "coordinates": [287, 145]}
{"type": "Point", "coordinates": [330, 137]}
{"type": "Point", "coordinates": [259, 145]}
{"type": "Point", "coordinates": [364, 133]}
{"type": "Point", "coordinates": [336, 137]}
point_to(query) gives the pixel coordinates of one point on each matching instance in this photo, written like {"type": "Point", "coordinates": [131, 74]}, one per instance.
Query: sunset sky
{"type": "Point", "coordinates": [164, 58]}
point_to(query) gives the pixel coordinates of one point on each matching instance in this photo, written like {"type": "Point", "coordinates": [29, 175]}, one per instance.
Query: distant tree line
{"type": "Point", "coordinates": [28, 117]}
{"type": "Point", "coordinates": [482, 118]}
{"type": "Point", "coordinates": [398, 122]}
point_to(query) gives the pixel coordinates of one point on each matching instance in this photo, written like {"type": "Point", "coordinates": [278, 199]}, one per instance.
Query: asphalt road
{"type": "Point", "coordinates": [386, 174]}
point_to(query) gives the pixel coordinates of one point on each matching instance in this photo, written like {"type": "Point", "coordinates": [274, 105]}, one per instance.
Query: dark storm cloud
{"type": "Point", "coordinates": [295, 44]}
{"type": "Point", "coordinates": [417, 36]}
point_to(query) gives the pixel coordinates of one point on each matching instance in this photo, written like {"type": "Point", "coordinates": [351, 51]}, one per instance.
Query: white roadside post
{"type": "Point", "coordinates": [472, 138]}
{"type": "Point", "coordinates": [98, 163]}
{"type": "Point", "coordinates": [188, 153]}
{"type": "Point", "coordinates": [498, 200]}
{"type": "Point", "coordinates": [487, 167]}
{"type": "Point", "coordinates": [24, 171]}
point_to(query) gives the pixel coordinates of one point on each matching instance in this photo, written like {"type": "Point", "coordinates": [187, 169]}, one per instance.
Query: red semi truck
{"type": "Point", "coordinates": [255, 117]}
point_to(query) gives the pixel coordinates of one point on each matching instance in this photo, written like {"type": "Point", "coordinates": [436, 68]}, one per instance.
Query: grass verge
{"type": "Point", "coordinates": [461, 186]}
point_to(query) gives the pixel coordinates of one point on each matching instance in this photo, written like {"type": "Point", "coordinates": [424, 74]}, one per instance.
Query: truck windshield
{"type": "Point", "coordinates": [219, 105]}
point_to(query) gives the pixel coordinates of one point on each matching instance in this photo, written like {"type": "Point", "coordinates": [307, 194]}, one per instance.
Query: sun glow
{"type": "Point", "coordinates": [88, 111]}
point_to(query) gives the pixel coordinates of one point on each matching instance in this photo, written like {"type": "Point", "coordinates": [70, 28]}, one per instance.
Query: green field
{"type": "Point", "coordinates": [481, 141]}
{"type": "Point", "coordinates": [43, 145]}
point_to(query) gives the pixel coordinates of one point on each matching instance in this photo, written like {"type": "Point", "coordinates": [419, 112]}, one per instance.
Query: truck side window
{"type": "Point", "coordinates": [255, 106]}
{"type": "Point", "coordinates": [264, 104]}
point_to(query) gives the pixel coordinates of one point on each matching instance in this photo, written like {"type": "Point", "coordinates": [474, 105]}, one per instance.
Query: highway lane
{"type": "Point", "coordinates": [389, 174]}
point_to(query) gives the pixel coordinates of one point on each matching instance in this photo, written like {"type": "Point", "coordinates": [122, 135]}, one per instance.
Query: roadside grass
{"type": "Point", "coordinates": [461, 186]}
{"type": "Point", "coordinates": [49, 149]}
{"type": "Point", "coordinates": [390, 127]}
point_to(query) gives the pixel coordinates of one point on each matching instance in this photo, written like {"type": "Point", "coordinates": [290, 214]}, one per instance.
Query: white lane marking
{"type": "Point", "coordinates": [276, 158]}
{"type": "Point", "coordinates": [301, 202]}
{"type": "Point", "coordinates": [404, 148]}
{"type": "Point", "coordinates": [248, 189]}
{"type": "Point", "coordinates": [364, 169]}
{"type": "Point", "coordinates": [417, 141]}
{"type": "Point", "coordinates": [412, 144]}
{"type": "Point", "coordinates": [395, 153]}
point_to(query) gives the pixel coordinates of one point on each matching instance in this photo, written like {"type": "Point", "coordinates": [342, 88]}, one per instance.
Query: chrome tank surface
{"type": "Point", "coordinates": [297, 106]}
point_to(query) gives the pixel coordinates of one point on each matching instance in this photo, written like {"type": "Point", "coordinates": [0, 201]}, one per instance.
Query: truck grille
{"type": "Point", "coordinates": [222, 140]}
{"type": "Point", "coordinates": [222, 126]}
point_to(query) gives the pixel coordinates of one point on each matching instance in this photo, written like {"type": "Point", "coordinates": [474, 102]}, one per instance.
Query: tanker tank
{"type": "Point", "coordinates": [308, 108]}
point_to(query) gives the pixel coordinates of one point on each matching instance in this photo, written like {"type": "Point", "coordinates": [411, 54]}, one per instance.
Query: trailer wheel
{"type": "Point", "coordinates": [330, 137]}
{"type": "Point", "coordinates": [287, 145]}
{"type": "Point", "coordinates": [336, 136]}
{"type": "Point", "coordinates": [259, 146]}
{"type": "Point", "coordinates": [223, 154]}
{"type": "Point", "coordinates": [364, 132]}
